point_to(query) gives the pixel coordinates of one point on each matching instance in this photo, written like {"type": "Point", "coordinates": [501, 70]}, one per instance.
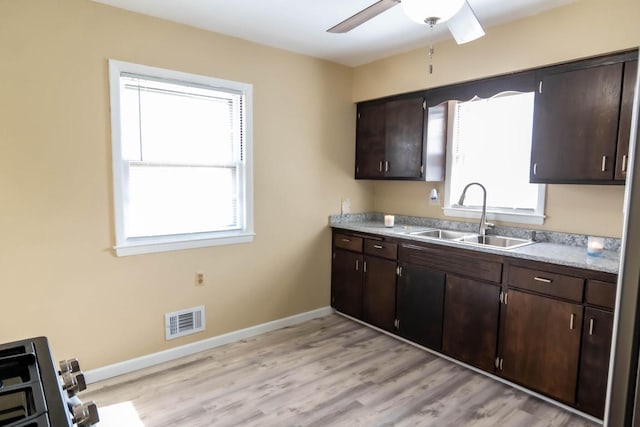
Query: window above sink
{"type": "Point", "coordinates": [489, 141]}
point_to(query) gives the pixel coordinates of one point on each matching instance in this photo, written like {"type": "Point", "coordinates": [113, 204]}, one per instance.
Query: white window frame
{"type": "Point", "coordinates": [451, 207]}
{"type": "Point", "coordinates": [140, 245]}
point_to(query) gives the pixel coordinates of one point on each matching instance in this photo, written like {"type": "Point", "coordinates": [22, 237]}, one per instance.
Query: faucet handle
{"type": "Point", "coordinates": [489, 225]}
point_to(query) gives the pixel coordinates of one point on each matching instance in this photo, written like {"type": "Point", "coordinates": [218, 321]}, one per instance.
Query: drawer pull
{"type": "Point", "coordinates": [346, 240]}
{"type": "Point", "coordinates": [604, 163]}
{"type": "Point", "coordinates": [591, 323]}
{"type": "Point", "coordinates": [357, 265]}
{"type": "Point", "coordinates": [380, 166]}
{"type": "Point", "coordinates": [572, 321]}
{"type": "Point", "coordinates": [377, 246]}
{"type": "Point", "coordinates": [624, 163]}
{"type": "Point", "coordinates": [542, 279]}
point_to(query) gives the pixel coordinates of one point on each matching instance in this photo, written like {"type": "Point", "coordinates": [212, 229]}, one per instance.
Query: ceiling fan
{"type": "Point", "coordinates": [461, 20]}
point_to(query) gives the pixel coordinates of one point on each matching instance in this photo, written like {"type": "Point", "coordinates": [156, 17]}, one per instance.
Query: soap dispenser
{"type": "Point", "coordinates": [433, 197]}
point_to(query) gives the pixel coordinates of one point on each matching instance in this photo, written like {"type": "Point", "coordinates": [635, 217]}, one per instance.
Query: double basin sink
{"type": "Point", "coordinates": [472, 238]}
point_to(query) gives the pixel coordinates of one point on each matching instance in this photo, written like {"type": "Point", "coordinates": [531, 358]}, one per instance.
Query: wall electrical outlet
{"type": "Point", "coordinates": [199, 278]}
{"type": "Point", "coordinates": [345, 207]}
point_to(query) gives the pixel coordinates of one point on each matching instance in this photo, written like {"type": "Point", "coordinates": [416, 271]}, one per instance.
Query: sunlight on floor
{"type": "Point", "coordinates": [119, 415]}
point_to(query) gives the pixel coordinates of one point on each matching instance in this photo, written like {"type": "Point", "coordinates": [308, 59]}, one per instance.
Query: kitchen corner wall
{"type": "Point", "coordinates": [581, 29]}
{"type": "Point", "coordinates": [58, 274]}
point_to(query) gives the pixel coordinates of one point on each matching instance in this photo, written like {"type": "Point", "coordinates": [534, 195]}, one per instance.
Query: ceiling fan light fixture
{"type": "Point", "coordinates": [429, 11]}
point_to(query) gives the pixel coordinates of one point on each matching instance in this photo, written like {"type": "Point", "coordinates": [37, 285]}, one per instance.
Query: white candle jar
{"type": "Point", "coordinates": [595, 246]}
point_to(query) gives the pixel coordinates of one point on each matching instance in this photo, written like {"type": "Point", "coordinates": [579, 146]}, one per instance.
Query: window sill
{"type": "Point", "coordinates": [149, 245]}
{"type": "Point", "coordinates": [517, 217]}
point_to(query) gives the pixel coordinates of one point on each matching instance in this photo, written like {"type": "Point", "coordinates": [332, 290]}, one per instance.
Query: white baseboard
{"type": "Point", "coordinates": [138, 363]}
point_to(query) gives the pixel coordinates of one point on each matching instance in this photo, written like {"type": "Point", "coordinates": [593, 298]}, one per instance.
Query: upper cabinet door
{"type": "Point", "coordinates": [405, 130]}
{"type": "Point", "coordinates": [391, 141]}
{"type": "Point", "coordinates": [575, 127]}
{"type": "Point", "coordinates": [628, 88]}
{"type": "Point", "coordinates": [370, 140]}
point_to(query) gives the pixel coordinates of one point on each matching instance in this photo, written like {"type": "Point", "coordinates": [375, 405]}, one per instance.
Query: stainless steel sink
{"type": "Point", "coordinates": [442, 234]}
{"type": "Point", "coordinates": [496, 241]}
{"type": "Point", "coordinates": [472, 238]}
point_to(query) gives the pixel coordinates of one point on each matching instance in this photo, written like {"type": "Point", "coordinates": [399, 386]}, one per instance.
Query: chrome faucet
{"type": "Point", "coordinates": [483, 218]}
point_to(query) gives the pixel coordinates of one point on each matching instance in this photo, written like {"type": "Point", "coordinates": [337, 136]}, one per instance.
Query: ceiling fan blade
{"type": "Point", "coordinates": [363, 16]}
{"type": "Point", "coordinates": [464, 26]}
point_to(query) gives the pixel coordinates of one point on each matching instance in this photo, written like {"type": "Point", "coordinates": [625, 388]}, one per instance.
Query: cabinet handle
{"type": "Point", "coordinates": [542, 279]}
{"type": "Point", "coordinates": [624, 163]}
{"type": "Point", "coordinates": [386, 166]}
{"type": "Point", "coordinates": [346, 240]}
{"type": "Point", "coordinates": [365, 266]}
{"type": "Point", "coordinates": [357, 265]}
{"type": "Point", "coordinates": [572, 321]}
{"type": "Point", "coordinates": [377, 246]}
{"type": "Point", "coordinates": [535, 168]}
{"type": "Point", "coordinates": [380, 166]}
{"type": "Point", "coordinates": [501, 363]}
{"type": "Point", "coordinates": [604, 163]}
{"type": "Point", "coordinates": [591, 324]}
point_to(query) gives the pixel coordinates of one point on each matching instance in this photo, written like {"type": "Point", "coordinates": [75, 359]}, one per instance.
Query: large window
{"type": "Point", "coordinates": [181, 159]}
{"type": "Point", "coordinates": [490, 143]}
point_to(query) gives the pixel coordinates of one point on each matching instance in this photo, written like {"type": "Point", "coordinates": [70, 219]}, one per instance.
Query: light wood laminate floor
{"type": "Point", "coordinates": [325, 372]}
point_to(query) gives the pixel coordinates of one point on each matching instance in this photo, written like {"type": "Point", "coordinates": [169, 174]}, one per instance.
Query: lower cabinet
{"type": "Point", "coordinates": [541, 344]}
{"type": "Point", "coordinates": [379, 292]}
{"type": "Point", "coordinates": [540, 325]}
{"type": "Point", "coordinates": [420, 301]}
{"type": "Point", "coordinates": [346, 282]}
{"type": "Point", "coordinates": [471, 312]}
{"type": "Point", "coordinates": [594, 361]}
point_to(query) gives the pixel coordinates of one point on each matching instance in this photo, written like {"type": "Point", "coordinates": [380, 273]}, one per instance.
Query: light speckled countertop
{"type": "Point", "coordinates": [555, 253]}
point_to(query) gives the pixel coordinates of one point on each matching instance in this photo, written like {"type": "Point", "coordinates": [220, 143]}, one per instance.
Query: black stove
{"type": "Point", "coordinates": [33, 393]}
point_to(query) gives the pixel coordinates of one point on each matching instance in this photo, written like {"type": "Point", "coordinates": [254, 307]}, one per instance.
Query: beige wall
{"type": "Point", "coordinates": [58, 274]}
{"type": "Point", "coordinates": [585, 28]}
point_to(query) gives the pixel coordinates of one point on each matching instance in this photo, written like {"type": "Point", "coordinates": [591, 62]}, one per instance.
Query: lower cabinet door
{"type": "Point", "coordinates": [470, 331]}
{"type": "Point", "coordinates": [379, 294]}
{"type": "Point", "coordinates": [346, 282]}
{"type": "Point", "coordinates": [594, 361]}
{"type": "Point", "coordinates": [420, 305]}
{"type": "Point", "coordinates": [541, 345]}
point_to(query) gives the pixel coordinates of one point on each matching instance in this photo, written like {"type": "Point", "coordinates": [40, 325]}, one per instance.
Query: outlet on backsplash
{"type": "Point", "coordinates": [345, 206]}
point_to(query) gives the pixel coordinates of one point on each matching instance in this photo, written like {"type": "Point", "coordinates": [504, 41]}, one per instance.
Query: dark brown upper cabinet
{"type": "Point", "coordinates": [579, 121]}
{"type": "Point", "coordinates": [392, 142]}
{"type": "Point", "coordinates": [624, 131]}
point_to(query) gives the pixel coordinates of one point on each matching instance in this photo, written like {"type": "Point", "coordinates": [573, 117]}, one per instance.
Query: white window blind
{"type": "Point", "coordinates": [182, 159]}
{"type": "Point", "coordinates": [491, 144]}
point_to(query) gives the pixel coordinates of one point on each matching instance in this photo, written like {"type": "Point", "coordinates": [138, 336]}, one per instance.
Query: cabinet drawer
{"type": "Point", "coordinates": [345, 241]}
{"type": "Point", "coordinates": [601, 293]}
{"type": "Point", "coordinates": [546, 283]}
{"type": "Point", "coordinates": [382, 249]}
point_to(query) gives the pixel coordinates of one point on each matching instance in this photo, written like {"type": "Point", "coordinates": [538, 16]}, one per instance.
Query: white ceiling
{"type": "Point", "coordinates": [300, 25]}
